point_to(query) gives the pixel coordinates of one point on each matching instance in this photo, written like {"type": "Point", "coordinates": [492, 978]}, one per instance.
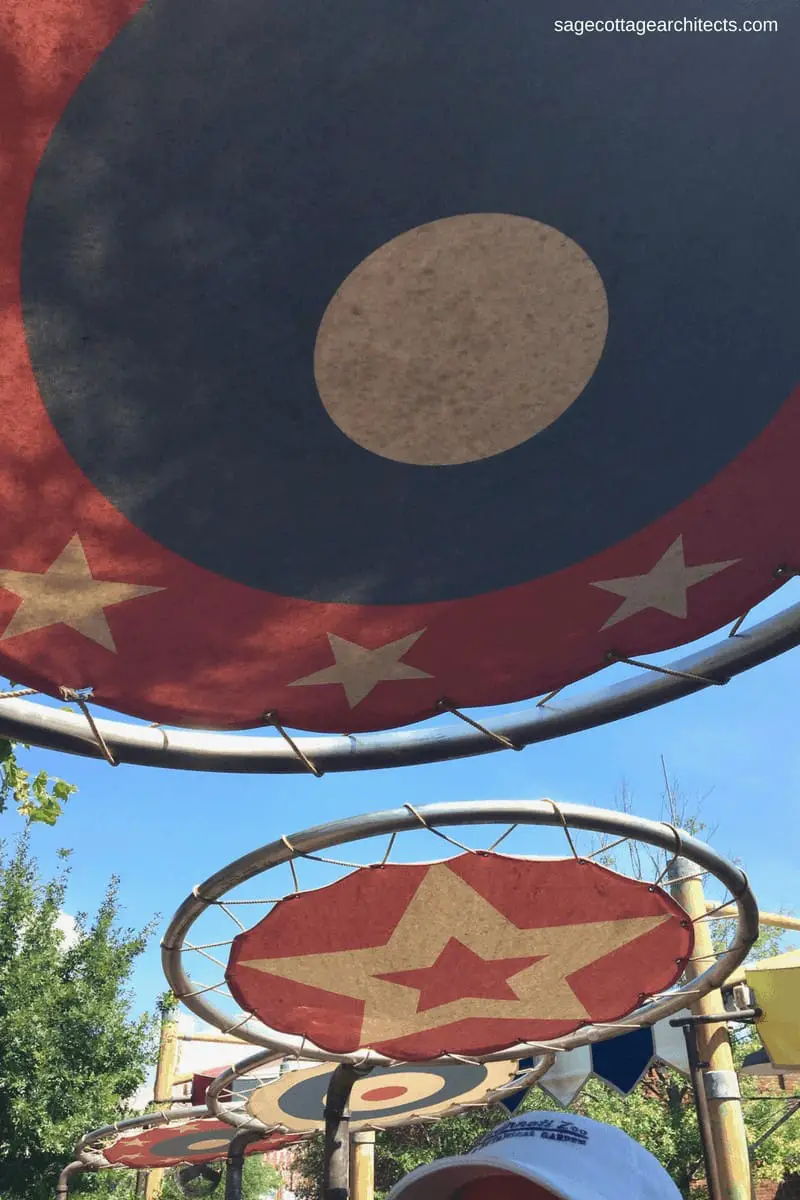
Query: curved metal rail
{"type": "Point", "coordinates": [439, 816]}
{"type": "Point", "coordinates": [186, 750]}
{"type": "Point", "coordinates": [254, 1061]}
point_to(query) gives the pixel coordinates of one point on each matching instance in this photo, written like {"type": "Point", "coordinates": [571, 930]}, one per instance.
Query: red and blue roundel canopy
{"type": "Point", "coordinates": [194, 1141]}
{"type": "Point", "coordinates": [355, 355]}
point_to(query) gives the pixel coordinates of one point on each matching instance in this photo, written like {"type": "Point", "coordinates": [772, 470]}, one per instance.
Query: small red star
{"type": "Point", "coordinates": [458, 973]}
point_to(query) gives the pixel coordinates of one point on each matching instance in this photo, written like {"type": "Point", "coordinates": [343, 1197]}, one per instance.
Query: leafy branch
{"type": "Point", "coordinates": [39, 798]}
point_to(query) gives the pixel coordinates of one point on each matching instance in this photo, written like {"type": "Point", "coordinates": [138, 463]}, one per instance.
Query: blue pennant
{"type": "Point", "coordinates": [621, 1061]}
{"type": "Point", "coordinates": [514, 1099]}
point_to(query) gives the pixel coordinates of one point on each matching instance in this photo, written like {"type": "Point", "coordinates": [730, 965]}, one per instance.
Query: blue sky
{"type": "Point", "coordinates": [164, 831]}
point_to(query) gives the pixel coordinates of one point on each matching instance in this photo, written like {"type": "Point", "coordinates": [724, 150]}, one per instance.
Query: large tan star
{"type": "Point", "coordinates": [445, 907]}
{"type": "Point", "coordinates": [663, 587]}
{"type": "Point", "coordinates": [135, 1150]}
{"type": "Point", "coordinates": [359, 669]}
{"type": "Point", "coordinates": [67, 593]}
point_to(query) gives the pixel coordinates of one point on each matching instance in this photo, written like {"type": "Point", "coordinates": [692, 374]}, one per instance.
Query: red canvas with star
{"type": "Point", "coordinates": [467, 956]}
{"type": "Point", "coordinates": [387, 407]}
{"type": "Point", "coordinates": [195, 1141]}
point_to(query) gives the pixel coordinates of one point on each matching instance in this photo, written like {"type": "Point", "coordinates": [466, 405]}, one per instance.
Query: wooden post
{"type": "Point", "coordinates": [716, 1073]}
{"type": "Point", "coordinates": [165, 1075]}
{"type": "Point", "coordinates": [362, 1168]}
{"type": "Point", "coordinates": [776, 920]}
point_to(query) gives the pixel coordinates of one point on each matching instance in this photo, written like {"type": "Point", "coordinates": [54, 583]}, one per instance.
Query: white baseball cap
{"type": "Point", "coordinates": [572, 1157]}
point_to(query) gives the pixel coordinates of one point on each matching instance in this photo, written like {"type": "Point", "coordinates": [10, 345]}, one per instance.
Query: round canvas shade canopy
{"type": "Point", "coordinates": [468, 956]}
{"type": "Point", "coordinates": [196, 1142]}
{"type": "Point", "coordinates": [399, 1095]}
{"type": "Point", "coordinates": [332, 389]}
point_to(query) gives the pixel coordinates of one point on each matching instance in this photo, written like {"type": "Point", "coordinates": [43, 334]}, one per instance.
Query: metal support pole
{"type": "Point", "coordinates": [234, 1166]}
{"type": "Point", "coordinates": [743, 1016]}
{"type": "Point", "coordinates": [362, 1165]}
{"type": "Point", "coordinates": [703, 1121]}
{"type": "Point", "coordinates": [790, 1112]}
{"type": "Point", "coordinates": [165, 1075]}
{"type": "Point", "coordinates": [62, 1187]}
{"type": "Point", "coordinates": [141, 1184]}
{"type": "Point", "coordinates": [336, 1181]}
{"type": "Point", "coordinates": [720, 1085]}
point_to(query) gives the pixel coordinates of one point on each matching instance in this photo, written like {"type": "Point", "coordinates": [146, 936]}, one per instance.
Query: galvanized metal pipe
{"type": "Point", "coordinates": [187, 750]}
{"type": "Point", "coordinates": [479, 812]}
{"type": "Point", "coordinates": [70, 1171]}
{"type": "Point", "coordinates": [234, 1166]}
{"type": "Point", "coordinates": [89, 1140]}
{"type": "Point", "coordinates": [336, 1178]}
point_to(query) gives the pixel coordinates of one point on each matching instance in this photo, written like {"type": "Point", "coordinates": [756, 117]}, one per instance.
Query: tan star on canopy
{"type": "Point", "coordinates": [67, 593]}
{"type": "Point", "coordinates": [443, 908]}
{"type": "Point", "coordinates": [148, 1145]}
{"type": "Point", "coordinates": [664, 587]}
{"type": "Point", "coordinates": [135, 1151]}
{"type": "Point", "coordinates": [359, 669]}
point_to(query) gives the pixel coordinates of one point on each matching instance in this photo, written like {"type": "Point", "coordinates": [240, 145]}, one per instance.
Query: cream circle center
{"type": "Point", "coordinates": [460, 339]}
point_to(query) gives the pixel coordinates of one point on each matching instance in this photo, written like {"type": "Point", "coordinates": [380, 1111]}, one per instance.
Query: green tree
{"type": "Point", "coordinates": [40, 798]}
{"type": "Point", "coordinates": [259, 1179]}
{"type": "Point", "coordinates": [71, 1051]}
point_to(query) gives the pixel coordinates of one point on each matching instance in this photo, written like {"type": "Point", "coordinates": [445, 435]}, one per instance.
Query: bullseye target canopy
{"type": "Point", "coordinates": [195, 1141]}
{"type": "Point", "coordinates": [398, 1095]}
{"type": "Point", "coordinates": [356, 356]}
{"type": "Point", "coordinates": [469, 956]}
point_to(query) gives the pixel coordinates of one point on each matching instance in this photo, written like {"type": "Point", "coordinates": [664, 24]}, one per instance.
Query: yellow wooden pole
{"type": "Point", "coordinates": [721, 1085]}
{"type": "Point", "coordinates": [778, 920]}
{"type": "Point", "coordinates": [212, 1037]}
{"type": "Point", "coordinates": [362, 1169]}
{"type": "Point", "coordinates": [165, 1077]}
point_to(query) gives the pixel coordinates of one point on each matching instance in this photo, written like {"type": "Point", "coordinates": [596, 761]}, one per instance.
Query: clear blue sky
{"type": "Point", "coordinates": [164, 831]}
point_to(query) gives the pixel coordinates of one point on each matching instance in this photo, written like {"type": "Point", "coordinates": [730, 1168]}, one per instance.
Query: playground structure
{"type": "Point", "coordinates": [218, 898]}
{"type": "Point", "coordinates": [472, 441]}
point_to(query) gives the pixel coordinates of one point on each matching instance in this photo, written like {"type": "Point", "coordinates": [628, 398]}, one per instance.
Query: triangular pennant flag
{"type": "Point", "coordinates": [622, 1061]}
{"type": "Point", "coordinates": [567, 1075]}
{"type": "Point", "coordinates": [513, 1100]}
{"type": "Point", "coordinates": [670, 1042]}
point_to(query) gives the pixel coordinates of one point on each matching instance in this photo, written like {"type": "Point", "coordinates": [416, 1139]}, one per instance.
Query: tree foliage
{"type": "Point", "coordinates": [71, 1050]}
{"type": "Point", "coordinates": [259, 1179]}
{"type": "Point", "coordinates": [38, 798]}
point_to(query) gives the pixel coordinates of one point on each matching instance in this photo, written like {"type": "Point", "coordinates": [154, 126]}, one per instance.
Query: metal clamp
{"type": "Point", "coordinates": [721, 1085]}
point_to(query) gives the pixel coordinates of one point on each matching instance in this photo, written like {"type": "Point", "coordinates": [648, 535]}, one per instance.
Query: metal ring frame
{"type": "Point", "coordinates": [89, 1154]}
{"type": "Point", "coordinates": [90, 1157]}
{"type": "Point", "coordinates": [186, 750]}
{"type": "Point", "coordinates": [437, 816]}
{"type": "Point", "coordinates": [88, 1143]}
{"type": "Point", "coordinates": [242, 1121]}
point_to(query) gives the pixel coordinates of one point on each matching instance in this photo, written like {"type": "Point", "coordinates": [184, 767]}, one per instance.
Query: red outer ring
{"type": "Point", "coordinates": [207, 652]}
